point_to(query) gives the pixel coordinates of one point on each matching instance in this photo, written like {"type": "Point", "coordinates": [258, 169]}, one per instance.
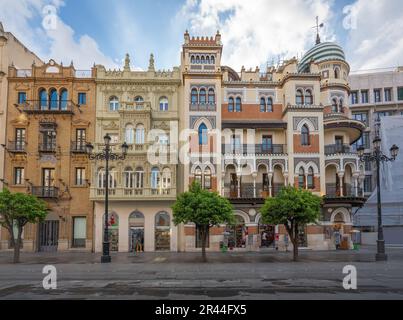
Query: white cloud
{"type": "Point", "coordinates": [377, 41]}
{"type": "Point", "coordinates": [257, 32]}
{"type": "Point", "coordinates": [59, 43]}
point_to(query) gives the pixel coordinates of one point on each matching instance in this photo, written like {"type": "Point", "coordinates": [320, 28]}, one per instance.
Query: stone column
{"type": "Point", "coordinates": [356, 184]}
{"type": "Point", "coordinates": [254, 176]}
{"type": "Point", "coordinates": [270, 176]}
{"type": "Point", "coordinates": [341, 175]}
{"type": "Point", "coordinates": [239, 184]}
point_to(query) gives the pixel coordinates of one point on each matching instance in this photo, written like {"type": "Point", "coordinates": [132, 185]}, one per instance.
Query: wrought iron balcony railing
{"type": "Point", "coordinates": [333, 190]}
{"type": "Point", "coordinates": [47, 147]}
{"type": "Point", "coordinates": [16, 146]}
{"type": "Point", "coordinates": [78, 147]}
{"type": "Point", "coordinates": [45, 192]}
{"type": "Point", "coordinates": [338, 149]}
{"type": "Point", "coordinates": [48, 106]}
{"type": "Point", "coordinates": [254, 149]}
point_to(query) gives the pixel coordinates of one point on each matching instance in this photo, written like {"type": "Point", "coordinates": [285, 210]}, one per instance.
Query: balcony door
{"type": "Point", "coordinates": [19, 139]}
{"type": "Point", "coordinates": [48, 182]}
{"type": "Point", "coordinates": [234, 186]}
{"type": "Point", "coordinates": [267, 144]}
{"type": "Point", "coordinates": [80, 139]}
{"type": "Point", "coordinates": [339, 143]}
{"type": "Point", "coordinates": [235, 144]}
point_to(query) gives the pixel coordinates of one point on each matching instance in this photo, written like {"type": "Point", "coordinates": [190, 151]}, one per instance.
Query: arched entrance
{"type": "Point", "coordinates": [136, 231]}
{"type": "Point", "coordinates": [237, 233]}
{"type": "Point", "coordinates": [113, 230]}
{"type": "Point", "coordinates": [162, 231]}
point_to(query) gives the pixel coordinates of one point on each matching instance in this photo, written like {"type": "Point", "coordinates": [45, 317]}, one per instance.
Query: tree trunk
{"type": "Point", "coordinates": [203, 233]}
{"type": "Point", "coordinates": [295, 242]}
{"type": "Point", "coordinates": [17, 246]}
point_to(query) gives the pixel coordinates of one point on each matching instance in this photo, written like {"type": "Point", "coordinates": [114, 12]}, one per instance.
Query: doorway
{"type": "Point", "coordinates": [136, 232]}
{"type": "Point", "coordinates": [48, 236]}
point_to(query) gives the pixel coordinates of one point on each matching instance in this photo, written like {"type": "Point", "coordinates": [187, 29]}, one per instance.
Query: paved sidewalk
{"type": "Point", "coordinates": [232, 276]}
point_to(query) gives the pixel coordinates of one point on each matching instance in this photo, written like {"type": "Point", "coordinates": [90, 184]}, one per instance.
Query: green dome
{"type": "Point", "coordinates": [321, 52]}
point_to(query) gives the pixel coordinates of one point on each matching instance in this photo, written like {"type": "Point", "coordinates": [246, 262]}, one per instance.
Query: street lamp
{"type": "Point", "coordinates": [377, 156]}
{"type": "Point", "coordinates": [106, 155]}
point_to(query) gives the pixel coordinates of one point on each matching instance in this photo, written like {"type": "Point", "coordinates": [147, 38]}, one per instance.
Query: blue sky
{"type": "Point", "coordinates": [253, 32]}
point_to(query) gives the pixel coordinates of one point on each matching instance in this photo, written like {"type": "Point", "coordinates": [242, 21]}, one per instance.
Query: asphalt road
{"type": "Point", "coordinates": [232, 276]}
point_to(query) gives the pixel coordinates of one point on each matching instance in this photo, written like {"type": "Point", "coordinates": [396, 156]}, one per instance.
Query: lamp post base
{"type": "Point", "coordinates": [106, 259]}
{"type": "Point", "coordinates": [381, 255]}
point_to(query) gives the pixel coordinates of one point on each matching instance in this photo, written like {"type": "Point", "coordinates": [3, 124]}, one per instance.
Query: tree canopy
{"type": "Point", "coordinates": [292, 208]}
{"type": "Point", "coordinates": [18, 209]}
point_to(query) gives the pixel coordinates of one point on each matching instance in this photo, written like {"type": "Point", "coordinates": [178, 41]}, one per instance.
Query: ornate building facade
{"type": "Point", "coordinates": [289, 125]}
{"type": "Point", "coordinates": [51, 115]}
{"type": "Point", "coordinates": [140, 108]}
{"type": "Point", "coordinates": [242, 134]}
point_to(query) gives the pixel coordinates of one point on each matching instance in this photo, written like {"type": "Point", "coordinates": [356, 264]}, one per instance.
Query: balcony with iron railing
{"type": "Point", "coordinates": [16, 147]}
{"type": "Point", "coordinates": [45, 192]}
{"type": "Point", "coordinates": [48, 147]}
{"type": "Point", "coordinates": [78, 147]}
{"type": "Point", "coordinates": [263, 149]}
{"type": "Point", "coordinates": [48, 106]}
{"type": "Point", "coordinates": [208, 106]}
{"type": "Point", "coordinates": [333, 149]}
{"type": "Point", "coordinates": [251, 191]}
{"type": "Point", "coordinates": [124, 193]}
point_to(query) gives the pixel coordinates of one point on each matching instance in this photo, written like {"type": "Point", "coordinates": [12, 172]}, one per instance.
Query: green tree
{"type": "Point", "coordinates": [293, 208]}
{"type": "Point", "coordinates": [16, 210]}
{"type": "Point", "coordinates": [204, 208]}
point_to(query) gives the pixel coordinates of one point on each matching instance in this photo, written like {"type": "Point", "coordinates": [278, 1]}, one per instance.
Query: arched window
{"type": "Point", "coordinates": [299, 99]}
{"type": "Point", "coordinates": [113, 104]}
{"type": "Point", "coordinates": [203, 137]}
{"type": "Point", "coordinates": [238, 104]}
{"type": "Point", "coordinates": [63, 99]}
{"type": "Point", "coordinates": [139, 178]}
{"type": "Point", "coordinates": [212, 60]}
{"type": "Point", "coordinates": [311, 184]}
{"type": "Point", "coordinates": [166, 180]}
{"type": "Point", "coordinates": [262, 104]}
{"type": "Point", "coordinates": [129, 134]}
{"type": "Point", "coordinates": [305, 135]}
{"type": "Point", "coordinates": [138, 99]}
{"type": "Point", "coordinates": [203, 61]}
{"type": "Point", "coordinates": [269, 104]}
{"type": "Point", "coordinates": [139, 134]}
{"type": "Point", "coordinates": [336, 73]}
{"type": "Point", "coordinates": [163, 104]}
{"type": "Point", "coordinates": [155, 178]}
{"type": "Point", "coordinates": [193, 96]}
{"type": "Point", "coordinates": [231, 104]}
{"type": "Point", "coordinates": [101, 179]}
{"type": "Point", "coordinates": [334, 105]}
{"type": "Point", "coordinates": [207, 178]}
{"type": "Point", "coordinates": [112, 178]}
{"type": "Point", "coordinates": [53, 99]}
{"type": "Point", "coordinates": [211, 96]}
{"type": "Point", "coordinates": [207, 60]}
{"type": "Point", "coordinates": [341, 107]}
{"type": "Point", "coordinates": [192, 59]}
{"type": "Point", "coordinates": [308, 97]}
{"type": "Point", "coordinates": [202, 96]}
{"type": "Point", "coordinates": [197, 59]}
{"type": "Point", "coordinates": [198, 175]}
{"type": "Point", "coordinates": [43, 97]}
{"type": "Point", "coordinates": [128, 178]}
{"type": "Point", "coordinates": [301, 178]}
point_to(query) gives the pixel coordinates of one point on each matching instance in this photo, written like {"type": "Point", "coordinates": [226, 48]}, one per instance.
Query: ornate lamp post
{"type": "Point", "coordinates": [377, 156]}
{"type": "Point", "coordinates": [106, 155]}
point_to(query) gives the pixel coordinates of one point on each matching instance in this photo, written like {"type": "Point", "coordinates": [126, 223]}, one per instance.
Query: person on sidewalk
{"type": "Point", "coordinates": [337, 239]}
